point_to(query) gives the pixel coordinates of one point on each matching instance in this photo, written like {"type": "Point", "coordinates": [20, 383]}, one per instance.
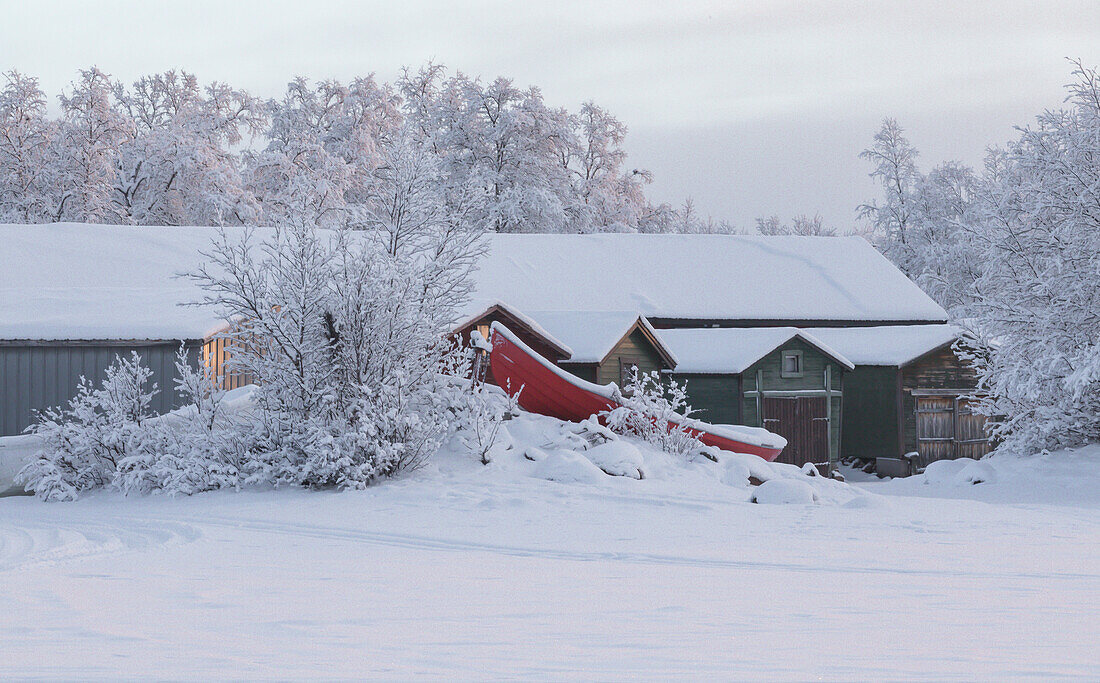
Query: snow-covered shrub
{"type": "Point", "coordinates": [346, 332]}
{"type": "Point", "coordinates": [200, 447]}
{"type": "Point", "coordinates": [84, 444]}
{"type": "Point", "coordinates": [480, 410]}
{"type": "Point", "coordinates": [654, 411]}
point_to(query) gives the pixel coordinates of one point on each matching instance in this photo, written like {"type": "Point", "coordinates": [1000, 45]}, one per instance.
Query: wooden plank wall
{"type": "Point", "coordinates": [634, 349]}
{"type": "Point", "coordinates": [940, 370]}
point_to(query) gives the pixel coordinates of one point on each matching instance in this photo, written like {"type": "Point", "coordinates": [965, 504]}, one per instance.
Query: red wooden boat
{"type": "Point", "coordinates": [546, 389]}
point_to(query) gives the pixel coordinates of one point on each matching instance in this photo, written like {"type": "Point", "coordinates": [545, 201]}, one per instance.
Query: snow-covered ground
{"type": "Point", "coordinates": [542, 566]}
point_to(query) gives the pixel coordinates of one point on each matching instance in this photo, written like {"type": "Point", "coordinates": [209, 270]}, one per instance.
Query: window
{"type": "Point", "coordinates": [792, 364]}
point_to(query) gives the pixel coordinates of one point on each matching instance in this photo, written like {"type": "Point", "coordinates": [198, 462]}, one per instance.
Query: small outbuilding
{"type": "Point", "coordinates": [908, 394]}
{"type": "Point", "coordinates": [74, 296]}
{"type": "Point", "coordinates": [780, 378]}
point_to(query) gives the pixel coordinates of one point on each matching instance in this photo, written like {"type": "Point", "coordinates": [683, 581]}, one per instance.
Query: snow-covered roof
{"type": "Point", "coordinates": [590, 335]}
{"type": "Point", "coordinates": [734, 349]}
{"type": "Point", "coordinates": [78, 281]}
{"type": "Point", "coordinates": [704, 277]}
{"type": "Point", "coordinates": [893, 345]}
{"type": "Point", "coordinates": [593, 335]}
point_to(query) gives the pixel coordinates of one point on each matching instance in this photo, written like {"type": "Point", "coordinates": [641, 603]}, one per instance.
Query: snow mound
{"type": "Point", "coordinates": [618, 458]}
{"type": "Point", "coordinates": [591, 455]}
{"type": "Point", "coordinates": [567, 466]}
{"type": "Point", "coordinates": [1066, 477]}
{"type": "Point", "coordinates": [959, 472]}
{"type": "Point", "coordinates": [785, 492]}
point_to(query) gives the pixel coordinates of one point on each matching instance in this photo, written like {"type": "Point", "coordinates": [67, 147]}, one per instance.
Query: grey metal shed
{"type": "Point", "coordinates": [37, 374]}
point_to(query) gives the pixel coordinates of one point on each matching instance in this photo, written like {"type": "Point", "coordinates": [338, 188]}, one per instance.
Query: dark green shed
{"type": "Point", "coordinates": [779, 378]}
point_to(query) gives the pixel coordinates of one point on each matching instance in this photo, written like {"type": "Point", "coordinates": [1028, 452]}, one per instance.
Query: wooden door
{"type": "Point", "coordinates": [781, 417]}
{"type": "Point", "coordinates": [814, 413]}
{"type": "Point", "coordinates": [935, 428]}
{"type": "Point", "coordinates": [804, 422]}
{"type": "Point", "coordinates": [971, 439]}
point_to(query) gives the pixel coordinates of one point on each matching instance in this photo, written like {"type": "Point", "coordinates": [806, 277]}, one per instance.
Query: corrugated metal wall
{"type": "Point", "coordinates": [39, 375]}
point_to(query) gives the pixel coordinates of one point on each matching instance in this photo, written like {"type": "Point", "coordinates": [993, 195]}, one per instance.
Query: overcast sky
{"type": "Point", "coordinates": [753, 108]}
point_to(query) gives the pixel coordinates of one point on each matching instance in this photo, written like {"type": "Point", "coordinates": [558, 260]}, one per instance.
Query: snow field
{"type": "Point", "coordinates": [540, 566]}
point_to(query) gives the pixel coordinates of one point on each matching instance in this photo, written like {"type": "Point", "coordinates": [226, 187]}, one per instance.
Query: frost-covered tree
{"type": "Point", "coordinates": [924, 222]}
{"type": "Point", "coordinates": [179, 167]}
{"type": "Point", "coordinates": [413, 212]}
{"type": "Point", "coordinates": [324, 144]}
{"type": "Point", "coordinates": [1036, 323]}
{"type": "Point", "coordinates": [501, 139]}
{"type": "Point", "coordinates": [800, 225]}
{"type": "Point", "coordinates": [92, 131]}
{"type": "Point", "coordinates": [688, 220]}
{"type": "Point", "coordinates": [611, 197]}
{"type": "Point", "coordinates": [895, 169]}
{"type": "Point", "coordinates": [168, 151]}
{"type": "Point", "coordinates": [29, 190]}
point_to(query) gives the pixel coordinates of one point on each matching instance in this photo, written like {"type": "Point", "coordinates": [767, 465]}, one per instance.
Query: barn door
{"type": "Point", "coordinates": [970, 435]}
{"type": "Point", "coordinates": [947, 428]}
{"type": "Point", "coordinates": [935, 428]}
{"type": "Point", "coordinates": [804, 423]}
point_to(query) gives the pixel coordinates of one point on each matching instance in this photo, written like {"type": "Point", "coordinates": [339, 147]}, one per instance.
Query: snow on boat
{"type": "Point", "coordinates": [546, 389]}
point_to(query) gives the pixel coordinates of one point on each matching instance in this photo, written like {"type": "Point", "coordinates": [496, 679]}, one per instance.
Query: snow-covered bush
{"type": "Point", "coordinates": [480, 411]}
{"type": "Point", "coordinates": [200, 447]}
{"type": "Point", "coordinates": [346, 332]}
{"type": "Point", "coordinates": [654, 411]}
{"type": "Point", "coordinates": [84, 444]}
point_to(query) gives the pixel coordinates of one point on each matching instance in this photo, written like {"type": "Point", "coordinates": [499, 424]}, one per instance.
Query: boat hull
{"type": "Point", "coordinates": [545, 389]}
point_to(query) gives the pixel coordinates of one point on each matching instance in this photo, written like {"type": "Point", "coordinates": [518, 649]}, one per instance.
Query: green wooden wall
{"type": "Point", "coordinates": [715, 397]}
{"type": "Point", "coordinates": [586, 371]}
{"type": "Point", "coordinates": [814, 363]}
{"type": "Point", "coordinates": [870, 424]}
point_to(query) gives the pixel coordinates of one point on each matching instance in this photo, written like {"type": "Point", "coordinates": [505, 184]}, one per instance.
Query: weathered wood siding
{"type": "Point", "coordinates": [940, 370]}
{"type": "Point", "coordinates": [634, 349]}
{"type": "Point", "coordinates": [717, 398]}
{"type": "Point", "coordinates": [35, 376]}
{"type": "Point", "coordinates": [870, 425]}
{"type": "Point", "coordinates": [814, 363]}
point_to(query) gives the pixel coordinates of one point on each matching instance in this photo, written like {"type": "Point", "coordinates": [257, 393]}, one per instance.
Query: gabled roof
{"type": "Point", "coordinates": [890, 345]}
{"type": "Point", "coordinates": [732, 350]}
{"type": "Point", "coordinates": [594, 335]}
{"type": "Point", "coordinates": [518, 321]}
{"type": "Point", "coordinates": [701, 277]}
